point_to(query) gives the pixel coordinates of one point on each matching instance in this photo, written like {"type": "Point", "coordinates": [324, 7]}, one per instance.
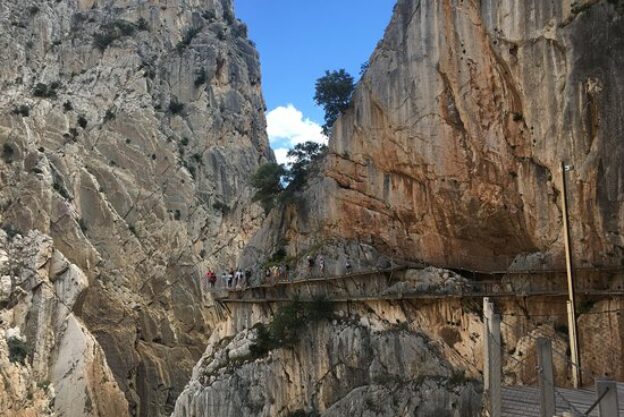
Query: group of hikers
{"type": "Point", "coordinates": [239, 279]}
{"type": "Point", "coordinates": [231, 279]}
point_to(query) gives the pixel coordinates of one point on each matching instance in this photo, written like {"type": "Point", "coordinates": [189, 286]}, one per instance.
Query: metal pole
{"type": "Point", "coordinates": [492, 359]}
{"type": "Point", "coordinates": [546, 377]}
{"type": "Point", "coordinates": [571, 307]}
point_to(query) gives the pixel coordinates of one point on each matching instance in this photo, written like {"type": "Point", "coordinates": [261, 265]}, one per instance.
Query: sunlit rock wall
{"type": "Point", "coordinates": [128, 132]}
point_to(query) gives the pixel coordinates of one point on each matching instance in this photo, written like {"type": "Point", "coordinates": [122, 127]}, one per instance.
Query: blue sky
{"type": "Point", "coordinates": [298, 40]}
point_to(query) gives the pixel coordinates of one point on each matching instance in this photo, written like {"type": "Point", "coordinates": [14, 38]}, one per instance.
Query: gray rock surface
{"type": "Point", "coordinates": [336, 369]}
{"type": "Point", "coordinates": [128, 132]}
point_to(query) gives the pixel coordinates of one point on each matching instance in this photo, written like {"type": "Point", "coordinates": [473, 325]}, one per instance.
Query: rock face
{"type": "Point", "coordinates": [128, 132]}
{"type": "Point", "coordinates": [51, 363]}
{"type": "Point", "coordinates": [348, 367]}
{"type": "Point", "coordinates": [451, 150]}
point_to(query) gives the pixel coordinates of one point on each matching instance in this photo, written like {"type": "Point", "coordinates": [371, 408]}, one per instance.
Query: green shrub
{"type": "Point", "coordinates": [10, 230]}
{"type": "Point", "coordinates": [197, 158]}
{"type": "Point", "coordinates": [109, 116]}
{"type": "Point", "coordinates": [43, 90]}
{"type": "Point", "coordinates": [124, 27]}
{"type": "Point", "coordinates": [267, 180]}
{"type": "Point", "coordinates": [319, 309]}
{"type": "Point", "coordinates": [142, 24]}
{"type": "Point", "coordinates": [22, 110]}
{"type": "Point", "coordinates": [82, 122]}
{"type": "Point", "coordinates": [33, 10]}
{"type": "Point", "coordinates": [175, 107]}
{"type": "Point", "coordinates": [187, 37]}
{"type": "Point", "coordinates": [220, 206]}
{"type": "Point", "coordinates": [229, 16]}
{"type": "Point", "coordinates": [18, 350]}
{"type": "Point", "coordinates": [67, 106]}
{"type": "Point", "coordinates": [59, 188]}
{"type": "Point", "coordinates": [201, 77]}
{"type": "Point", "coordinates": [263, 343]}
{"type": "Point", "coordinates": [209, 15]}
{"type": "Point", "coordinates": [7, 153]}
{"type": "Point", "coordinates": [184, 141]}
{"type": "Point", "coordinates": [113, 31]}
{"type": "Point", "coordinates": [83, 225]}
{"type": "Point", "coordinates": [102, 40]}
{"type": "Point", "coordinates": [287, 322]}
{"type": "Point", "coordinates": [240, 30]}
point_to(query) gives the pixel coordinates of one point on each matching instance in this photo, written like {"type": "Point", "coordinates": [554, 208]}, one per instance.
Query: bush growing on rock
{"type": "Point", "coordinates": [201, 77]}
{"type": "Point", "coordinates": [18, 350]}
{"type": "Point", "coordinates": [187, 37]}
{"type": "Point", "coordinates": [220, 206]}
{"type": "Point", "coordinates": [288, 321]}
{"type": "Point", "coordinates": [7, 153]}
{"type": "Point", "coordinates": [44, 90]}
{"type": "Point", "coordinates": [22, 110]}
{"type": "Point", "coordinates": [305, 156]}
{"type": "Point", "coordinates": [175, 107]}
{"type": "Point", "coordinates": [115, 30]}
{"type": "Point", "coordinates": [142, 24]}
{"type": "Point", "coordinates": [268, 182]}
{"type": "Point", "coordinates": [10, 230]}
{"type": "Point", "coordinates": [333, 92]}
{"type": "Point", "coordinates": [110, 115]}
{"type": "Point", "coordinates": [102, 40]}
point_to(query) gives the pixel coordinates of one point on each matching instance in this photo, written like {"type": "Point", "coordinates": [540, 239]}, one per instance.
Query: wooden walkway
{"type": "Point", "coordinates": [524, 401]}
{"type": "Point", "coordinates": [275, 292]}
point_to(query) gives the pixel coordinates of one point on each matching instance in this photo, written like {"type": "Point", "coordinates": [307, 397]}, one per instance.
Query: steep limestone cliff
{"type": "Point", "coordinates": [128, 132]}
{"type": "Point", "coordinates": [450, 153]}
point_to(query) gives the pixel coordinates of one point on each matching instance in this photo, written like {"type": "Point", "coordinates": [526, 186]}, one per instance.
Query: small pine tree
{"type": "Point", "coordinates": [333, 92]}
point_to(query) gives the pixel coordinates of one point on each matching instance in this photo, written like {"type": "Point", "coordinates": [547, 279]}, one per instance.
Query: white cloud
{"type": "Point", "coordinates": [287, 127]}
{"type": "Point", "coordinates": [281, 155]}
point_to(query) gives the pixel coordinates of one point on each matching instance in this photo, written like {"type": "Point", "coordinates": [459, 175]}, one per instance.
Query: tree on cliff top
{"type": "Point", "coordinates": [333, 93]}
{"type": "Point", "coordinates": [268, 182]}
{"type": "Point", "coordinates": [304, 156]}
{"type": "Point", "coordinates": [273, 182]}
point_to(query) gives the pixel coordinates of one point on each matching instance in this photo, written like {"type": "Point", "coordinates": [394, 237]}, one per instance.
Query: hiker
{"type": "Point", "coordinates": [274, 274]}
{"type": "Point", "coordinates": [211, 278]}
{"type": "Point", "coordinates": [348, 266]}
{"type": "Point", "coordinates": [224, 278]}
{"type": "Point", "coordinates": [310, 264]}
{"type": "Point", "coordinates": [242, 282]}
{"type": "Point", "coordinates": [239, 278]}
{"type": "Point", "coordinates": [267, 275]}
{"type": "Point", "coordinates": [230, 277]}
{"type": "Point", "coordinates": [287, 272]}
{"type": "Point", "coordinates": [321, 264]}
{"type": "Point", "coordinates": [282, 272]}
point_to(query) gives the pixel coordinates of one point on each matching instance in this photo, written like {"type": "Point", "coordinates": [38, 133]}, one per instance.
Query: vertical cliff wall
{"type": "Point", "coordinates": [128, 132]}
{"type": "Point", "coordinates": [451, 150]}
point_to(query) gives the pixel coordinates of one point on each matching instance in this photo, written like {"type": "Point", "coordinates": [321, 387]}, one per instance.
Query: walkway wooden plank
{"type": "Point", "coordinates": [415, 296]}
{"type": "Point", "coordinates": [523, 401]}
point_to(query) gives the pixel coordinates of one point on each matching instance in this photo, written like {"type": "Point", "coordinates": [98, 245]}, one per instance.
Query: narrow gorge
{"type": "Point", "coordinates": [129, 134]}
